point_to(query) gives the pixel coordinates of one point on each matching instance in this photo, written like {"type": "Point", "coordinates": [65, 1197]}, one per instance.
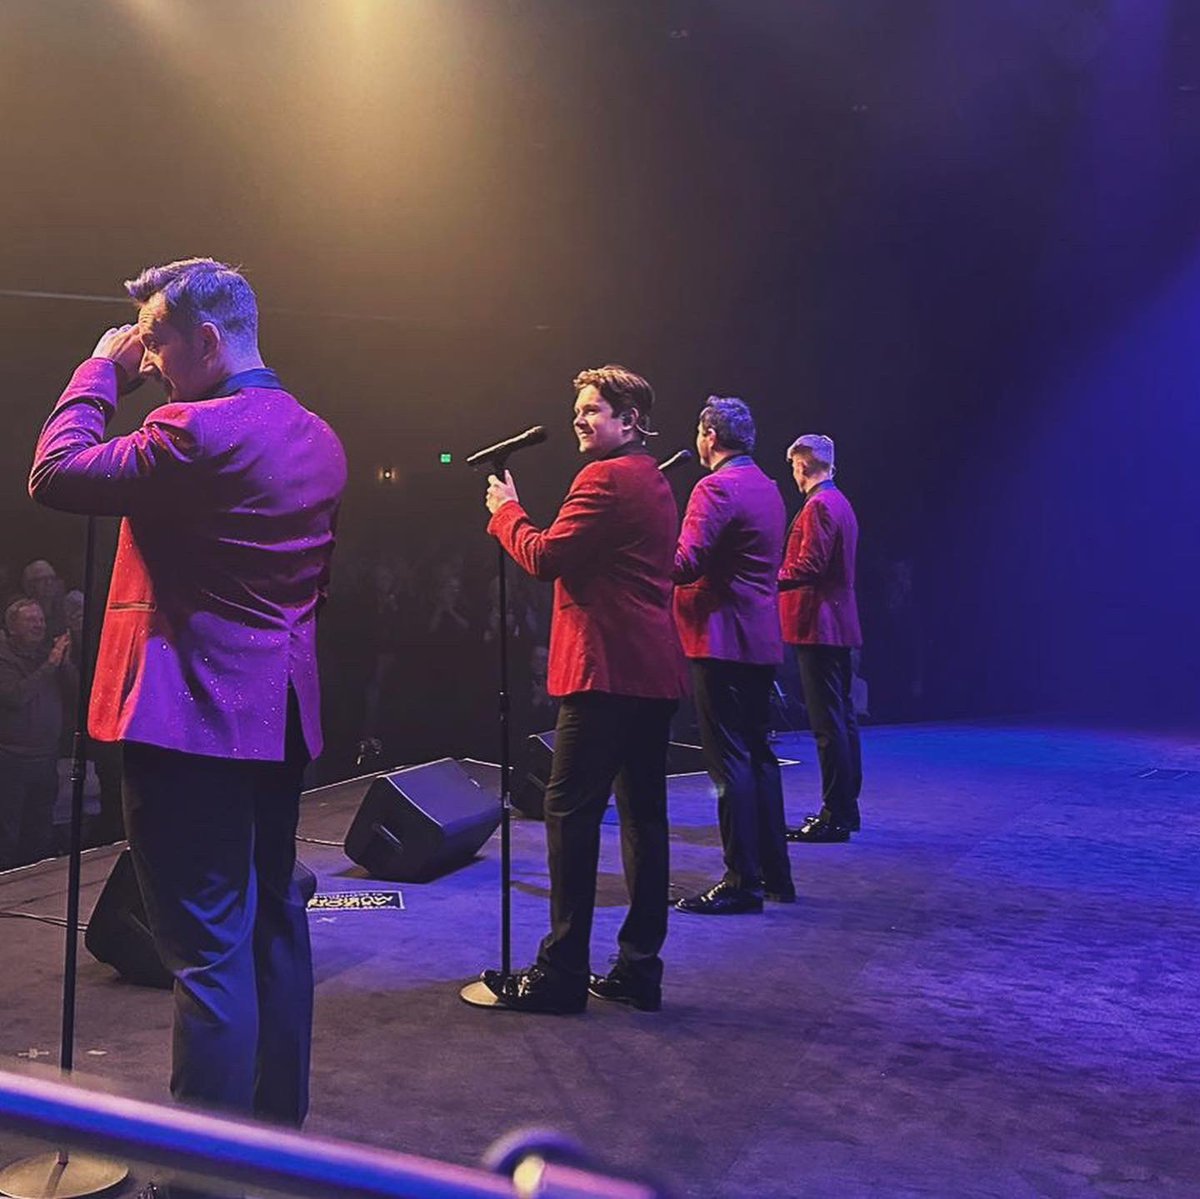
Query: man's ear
{"type": "Point", "coordinates": [210, 340]}
{"type": "Point", "coordinates": [629, 418]}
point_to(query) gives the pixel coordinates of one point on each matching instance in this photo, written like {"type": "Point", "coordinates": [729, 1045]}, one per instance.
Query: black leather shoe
{"type": "Point", "coordinates": [619, 987]}
{"type": "Point", "coordinates": [819, 829]}
{"type": "Point", "coordinates": [780, 894]}
{"type": "Point", "coordinates": [722, 900]}
{"type": "Point", "coordinates": [854, 824]}
{"type": "Point", "coordinates": [532, 990]}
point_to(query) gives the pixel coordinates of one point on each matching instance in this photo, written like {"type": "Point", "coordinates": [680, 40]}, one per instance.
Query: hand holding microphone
{"type": "Point", "coordinates": [504, 491]}
{"type": "Point", "coordinates": [500, 492]}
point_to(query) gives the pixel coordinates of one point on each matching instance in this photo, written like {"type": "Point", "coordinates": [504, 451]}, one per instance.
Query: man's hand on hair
{"type": "Point", "coordinates": [124, 347]}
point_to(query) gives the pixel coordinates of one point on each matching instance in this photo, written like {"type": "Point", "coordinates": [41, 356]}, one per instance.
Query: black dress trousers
{"type": "Point", "coordinates": [733, 706]}
{"type": "Point", "coordinates": [213, 843]}
{"type": "Point", "coordinates": [602, 741]}
{"type": "Point", "coordinates": [826, 674]}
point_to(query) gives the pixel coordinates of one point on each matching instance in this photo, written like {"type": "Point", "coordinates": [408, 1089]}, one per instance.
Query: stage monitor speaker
{"type": "Point", "coordinates": [118, 933]}
{"type": "Point", "coordinates": [533, 773]}
{"type": "Point", "coordinates": [422, 821]}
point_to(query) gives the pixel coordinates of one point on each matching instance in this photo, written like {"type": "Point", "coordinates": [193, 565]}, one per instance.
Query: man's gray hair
{"type": "Point", "coordinates": [732, 421]}
{"type": "Point", "coordinates": [19, 605]}
{"type": "Point", "coordinates": [815, 445]}
{"type": "Point", "coordinates": [196, 290]}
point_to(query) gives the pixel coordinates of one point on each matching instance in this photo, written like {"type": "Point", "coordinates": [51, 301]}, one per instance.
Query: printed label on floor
{"type": "Point", "coordinates": [357, 901]}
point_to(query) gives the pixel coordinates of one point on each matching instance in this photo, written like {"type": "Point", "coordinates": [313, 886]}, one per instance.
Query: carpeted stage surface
{"type": "Point", "coordinates": [992, 991]}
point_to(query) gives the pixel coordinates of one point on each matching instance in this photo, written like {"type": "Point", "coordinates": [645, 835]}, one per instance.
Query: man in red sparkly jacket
{"type": "Point", "coordinates": [615, 662]}
{"type": "Point", "coordinates": [207, 669]}
{"type": "Point", "coordinates": [819, 614]}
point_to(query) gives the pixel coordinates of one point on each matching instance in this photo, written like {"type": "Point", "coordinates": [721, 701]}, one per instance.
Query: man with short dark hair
{"type": "Point", "coordinates": [819, 613]}
{"type": "Point", "coordinates": [615, 661]}
{"type": "Point", "coordinates": [727, 611]}
{"type": "Point", "coordinates": [207, 669]}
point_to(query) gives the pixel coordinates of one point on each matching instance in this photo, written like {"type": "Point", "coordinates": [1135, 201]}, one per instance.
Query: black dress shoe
{"type": "Point", "coordinates": [533, 990]}
{"type": "Point", "coordinates": [780, 894]}
{"type": "Point", "coordinates": [819, 829]}
{"type": "Point", "coordinates": [617, 986]}
{"type": "Point", "coordinates": [854, 823]}
{"type": "Point", "coordinates": [722, 900]}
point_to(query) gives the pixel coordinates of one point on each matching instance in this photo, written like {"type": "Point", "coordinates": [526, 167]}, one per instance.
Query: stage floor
{"type": "Point", "coordinates": [991, 991]}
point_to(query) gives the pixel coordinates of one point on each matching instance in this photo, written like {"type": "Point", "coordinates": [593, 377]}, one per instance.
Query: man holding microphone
{"type": "Point", "coordinates": [615, 663]}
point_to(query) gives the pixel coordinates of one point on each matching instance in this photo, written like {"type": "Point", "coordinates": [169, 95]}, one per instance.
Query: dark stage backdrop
{"type": "Point", "coordinates": [958, 238]}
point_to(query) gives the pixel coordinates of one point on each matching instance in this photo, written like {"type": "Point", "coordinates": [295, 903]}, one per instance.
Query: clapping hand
{"type": "Point", "coordinates": [60, 649]}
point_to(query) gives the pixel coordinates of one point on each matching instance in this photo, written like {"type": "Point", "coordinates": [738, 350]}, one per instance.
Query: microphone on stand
{"type": "Point", "coordinates": [496, 454]}
{"type": "Point", "coordinates": [676, 459]}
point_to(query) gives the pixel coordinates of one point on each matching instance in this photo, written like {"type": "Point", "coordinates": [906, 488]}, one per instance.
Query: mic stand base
{"type": "Point", "coordinates": [479, 994]}
{"type": "Point", "coordinates": [61, 1175]}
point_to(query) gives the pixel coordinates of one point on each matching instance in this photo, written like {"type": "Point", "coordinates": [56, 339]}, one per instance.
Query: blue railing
{"type": "Point", "coordinates": [237, 1155]}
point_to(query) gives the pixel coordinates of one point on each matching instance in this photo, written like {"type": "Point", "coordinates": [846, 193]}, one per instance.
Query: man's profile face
{"type": "Point", "coordinates": [805, 469]}
{"type": "Point", "coordinates": [706, 445]}
{"type": "Point", "coordinates": [597, 428]}
{"type": "Point", "coordinates": [175, 358]}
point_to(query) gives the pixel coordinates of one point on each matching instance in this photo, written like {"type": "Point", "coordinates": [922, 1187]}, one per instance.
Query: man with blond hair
{"type": "Point", "coordinates": [207, 667]}
{"type": "Point", "coordinates": [819, 613]}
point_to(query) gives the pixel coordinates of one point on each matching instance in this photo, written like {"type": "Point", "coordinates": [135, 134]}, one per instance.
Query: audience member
{"type": "Point", "coordinates": [40, 581]}
{"type": "Point", "coordinates": [36, 679]}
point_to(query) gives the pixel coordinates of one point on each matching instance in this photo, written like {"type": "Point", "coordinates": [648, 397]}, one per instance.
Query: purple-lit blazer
{"type": "Point", "coordinates": [222, 559]}
{"type": "Point", "coordinates": [726, 598]}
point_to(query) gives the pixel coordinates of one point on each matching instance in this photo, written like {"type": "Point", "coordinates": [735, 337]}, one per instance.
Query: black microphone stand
{"type": "Point", "coordinates": [478, 993]}
{"type": "Point", "coordinates": [505, 707]}
{"type": "Point", "coordinates": [63, 1174]}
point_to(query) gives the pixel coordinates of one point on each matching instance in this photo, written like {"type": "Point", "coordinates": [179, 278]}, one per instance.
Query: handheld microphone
{"type": "Point", "coordinates": [497, 453]}
{"type": "Point", "coordinates": [676, 459]}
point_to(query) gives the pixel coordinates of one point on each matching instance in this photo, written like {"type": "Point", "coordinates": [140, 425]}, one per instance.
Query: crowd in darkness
{"type": "Point", "coordinates": [40, 653]}
{"type": "Point", "coordinates": [409, 660]}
